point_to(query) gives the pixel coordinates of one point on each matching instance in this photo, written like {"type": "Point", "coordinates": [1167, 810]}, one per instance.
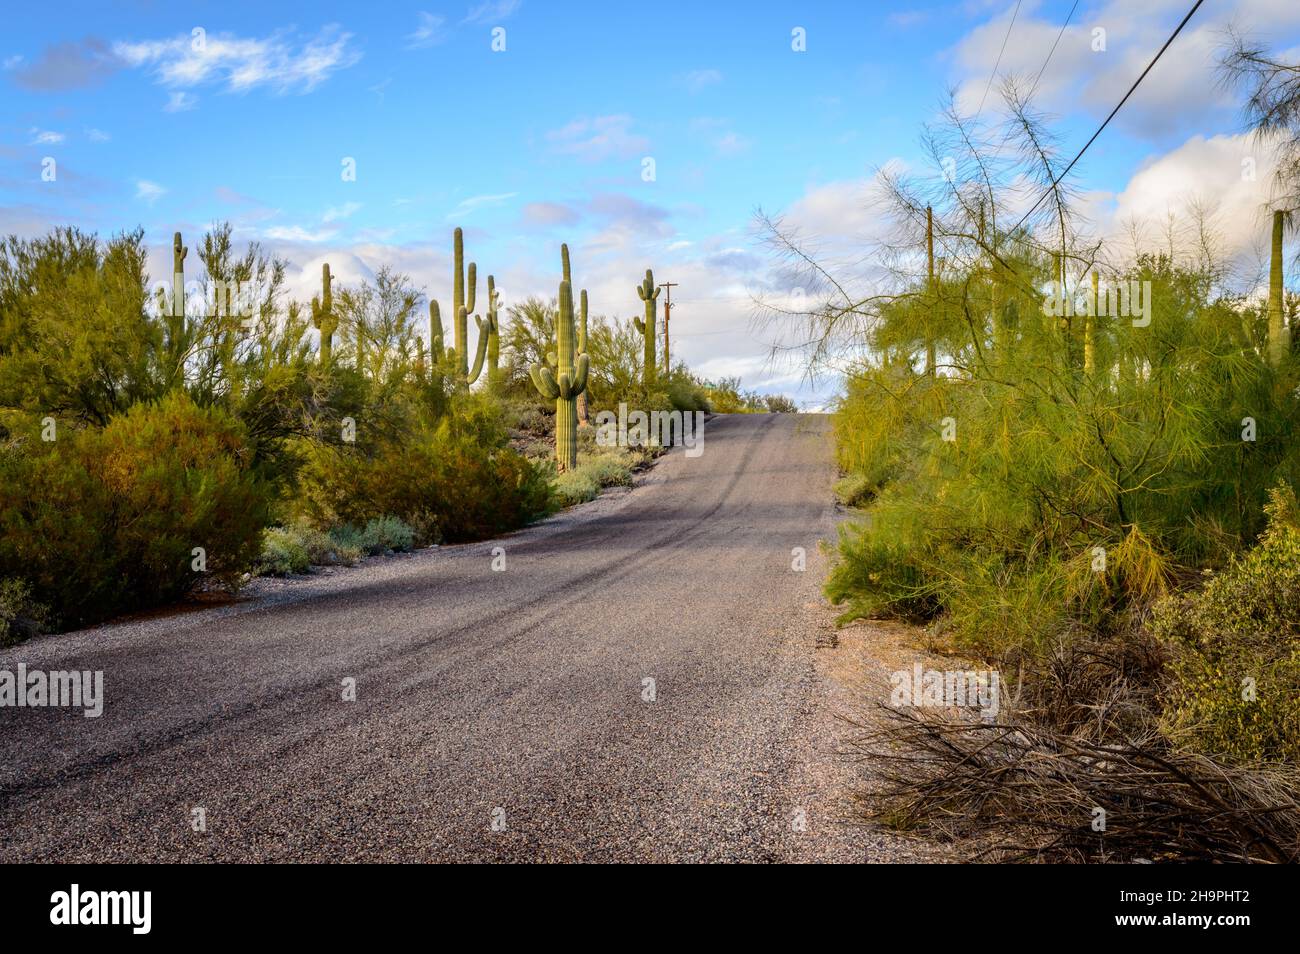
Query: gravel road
{"type": "Point", "coordinates": [499, 715]}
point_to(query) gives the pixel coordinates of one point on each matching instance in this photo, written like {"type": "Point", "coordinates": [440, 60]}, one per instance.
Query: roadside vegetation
{"type": "Point", "coordinates": [1096, 500]}
{"type": "Point", "coordinates": [151, 447]}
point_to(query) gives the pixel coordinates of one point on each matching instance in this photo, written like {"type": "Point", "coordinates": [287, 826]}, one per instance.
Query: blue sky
{"type": "Point", "coordinates": [546, 140]}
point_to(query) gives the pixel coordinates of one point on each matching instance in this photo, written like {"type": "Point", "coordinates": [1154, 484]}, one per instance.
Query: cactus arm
{"type": "Point", "coordinates": [479, 352]}
{"type": "Point", "coordinates": [471, 287]}
{"type": "Point", "coordinates": [639, 324]}
{"type": "Point", "coordinates": [580, 378]}
{"type": "Point", "coordinates": [435, 332]}
{"type": "Point", "coordinates": [564, 263]}
{"type": "Point", "coordinates": [544, 381]}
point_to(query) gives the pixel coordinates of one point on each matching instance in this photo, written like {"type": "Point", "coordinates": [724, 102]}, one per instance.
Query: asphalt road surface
{"type": "Point", "coordinates": [637, 684]}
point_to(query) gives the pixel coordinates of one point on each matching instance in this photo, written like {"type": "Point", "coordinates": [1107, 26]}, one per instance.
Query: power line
{"type": "Point", "coordinates": [1057, 180]}
{"type": "Point", "coordinates": [1039, 74]}
{"type": "Point", "coordinates": [998, 62]}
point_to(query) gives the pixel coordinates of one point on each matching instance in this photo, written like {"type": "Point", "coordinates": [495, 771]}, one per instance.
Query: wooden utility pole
{"type": "Point", "coordinates": [668, 308]}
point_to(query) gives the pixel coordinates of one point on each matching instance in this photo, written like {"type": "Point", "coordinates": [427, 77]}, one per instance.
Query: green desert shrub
{"type": "Point", "coordinates": [283, 552]}
{"type": "Point", "coordinates": [99, 522]}
{"type": "Point", "coordinates": [1235, 667]}
{"type": "Point", "coordinates": [20, 617]}
{"type": "Point", "coordinates": [445, 484]}
{"type": "Point", "coordinates": [379, 535]}
{"type": "Point", "coordinates": [574, 487]}
{"type": "Point", "coordinates": [611, 469]}
{"type": "Point", "coordinates": [854, 490]}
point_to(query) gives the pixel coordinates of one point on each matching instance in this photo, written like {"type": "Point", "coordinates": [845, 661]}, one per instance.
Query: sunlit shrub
{"type": "Point", "coordinates": [100, 522]}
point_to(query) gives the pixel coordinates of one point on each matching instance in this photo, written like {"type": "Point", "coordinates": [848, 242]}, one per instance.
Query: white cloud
{"type": "Point", "coordinates": [697, 80]}
{"type": "Point", "coordinates": [97, 135]}
{"type": "Point", "coordinates": [1214, 175]}
{"type": "Point", "coordinates": [428, 33]}
{"type": "Point", "coordinates": [179, 101]}
{"type": "Point", "coordinates": [1176, 97]}
{"type": "Point", "coordinates": [598, 138]}
{"type": "Point", "coordinates": [546, 214]}
{"type": "Point", "coordinates": [13, 62]}
{"type": "Point", "coordinates": [475, 202]}
{"type": "Point", "coordinates": [344, 211]}
{"type": "Point", "coordinates": [491, 11]}
{"type": "Point", "coordinates": [149, 192]}
{"type": "Point", "coordinates": [731, 144]}
{"type": "Point", "coordinates": [46, 137]}
{"type": "Point", "coordinates": [276, 61]}
{"type": "Point", "coordinates": [296, 233]}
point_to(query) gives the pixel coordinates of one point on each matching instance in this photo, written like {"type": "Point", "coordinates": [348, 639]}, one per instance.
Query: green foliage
{"type": "Point", "coordinates": [447, 482]}
{"type": "Point", "coordinates": [726, 397]}
{"type": "Point", "coordinates": [575, 487]}
{"type": "Point", "coordinates": [283, 552]}
{"type": "Point", "coordinates": [199, 419]}
{"type": "Point", "coordinates": [1235, 671]}
{"type": "Point", "coordinates": [298, 547]}
{"type": "Point", "coordinates": [20, 616]}
{"type": "Point", "coordinates": [998, 525]}
{"type": "Point", "coordinates": [609, 469]}
{"type": "Point", "coordinates": [101, 521]}
{"type": "Point", "coordinates": [855, 490]}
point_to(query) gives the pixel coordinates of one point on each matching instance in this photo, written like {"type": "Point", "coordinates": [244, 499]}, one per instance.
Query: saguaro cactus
{"type": "Point", "coordinates": [463, 287]}
{"type": "Point", "coordinates": [565, 384]}
{"type": "Point", "coordinates": [1279, 338]}
{"type": "Point", "coordinates": [582, 325]}
{"type": "Point", "coordinates": [649, 294]}
{"type": "Point", "coordinates": [323, 317]}
{"type": "Point", "coordinates": [464, 283]}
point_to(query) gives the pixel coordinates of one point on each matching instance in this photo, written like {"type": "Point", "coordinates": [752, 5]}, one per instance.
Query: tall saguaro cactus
{"type": "Point", "coordinates": [463, 287]}
{"type": "Point", "coordinates": [649, 294]}
{"type": "Point", "coordinates": [323, 317]}
{"type": "Point", "coordinates": [565, 385]}
{"type": "Point", "coordinates": [582, 324]}
{"type": "Point", "coordinates": [464, 283]}
{"type": "Point", "coordinates": [1279, 338]}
